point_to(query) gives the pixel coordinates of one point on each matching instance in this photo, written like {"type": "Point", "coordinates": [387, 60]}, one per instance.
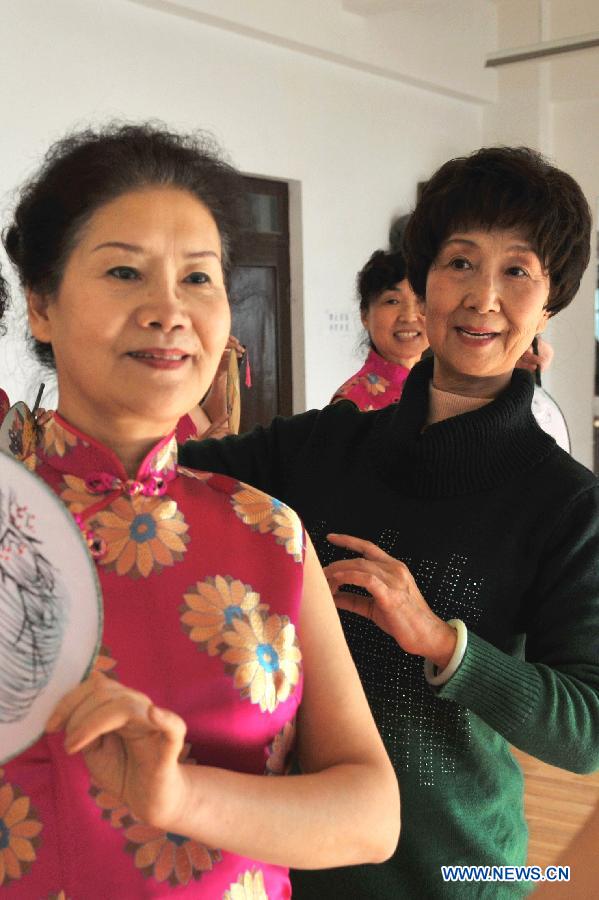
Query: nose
{"type": "Point", "coordinates": [408, 309]}
{"type": "Point", "coordinates": [483, 294]}
{"type": "Point", "coordinates": [162, 309]}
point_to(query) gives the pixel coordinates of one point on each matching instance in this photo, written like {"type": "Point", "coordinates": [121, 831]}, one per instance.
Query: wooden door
{"type": "Point", "coordinates": [260, 303]}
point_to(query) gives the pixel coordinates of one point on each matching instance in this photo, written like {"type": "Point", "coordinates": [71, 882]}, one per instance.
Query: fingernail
{"type": "Point", "coordinates": [70, 744]}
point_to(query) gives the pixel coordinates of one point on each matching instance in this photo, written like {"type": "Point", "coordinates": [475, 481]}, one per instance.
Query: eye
{"type": "Point", "coordinates": [460, 263]}
{"type": "Point", "coordinates": [124, 273]}
{"type": "Point", "coordinates": [197, 278]}
{"type": "Point", "coordinates": [518, 271]}
{"type": "Point", "coordinates": [392, 301]}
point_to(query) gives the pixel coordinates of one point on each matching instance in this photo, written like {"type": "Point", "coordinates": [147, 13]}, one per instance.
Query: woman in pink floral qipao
{"type": "Point", "coordinates": [394, 323]}
{"type": "Point", "coordinates": [222, 652]}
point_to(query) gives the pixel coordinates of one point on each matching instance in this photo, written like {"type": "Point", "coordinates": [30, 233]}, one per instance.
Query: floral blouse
{"type": "Point", "coordinates": [201, 578]}
{"type": "Point", "coordinates": [376, 385]}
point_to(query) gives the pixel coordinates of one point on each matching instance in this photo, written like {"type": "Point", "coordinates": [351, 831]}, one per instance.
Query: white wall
{"type": "Point", "coordinates": [356, 143]}
{"type": "Point", "coordinates": [554, 106]}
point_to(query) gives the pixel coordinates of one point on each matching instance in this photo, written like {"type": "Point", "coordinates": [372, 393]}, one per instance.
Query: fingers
{"type": "Point", "coordinates": [112, 715]}
{"type": "Point", "coordinates": [368, 576]}
{"type": "Point", "coordinates": [100, 706]}
{"type": "Point", "coordinates": [171, 725]}
{"type": "Point", "coordinates": [216, 429]}
{"type": "Point", "coordinates": [362, 606]}
{"type": "Point", "coordinates": [358, 545]}
{"type": "Point", "coordinates": [71, 701]}
{"type": "Point", "coordinates": [529, 361]}
{"type": "Point", "coordinates": [234, 344]}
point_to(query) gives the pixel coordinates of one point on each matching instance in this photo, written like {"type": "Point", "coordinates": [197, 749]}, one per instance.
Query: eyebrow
{"type": "Point", "coordinates": [135, 248]}
{"type": "Point", "coordinates": [522, 248]}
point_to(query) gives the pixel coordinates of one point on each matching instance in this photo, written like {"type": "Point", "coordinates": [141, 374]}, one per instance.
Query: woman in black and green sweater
{"type": "Point", "coordinates": [474, 538]}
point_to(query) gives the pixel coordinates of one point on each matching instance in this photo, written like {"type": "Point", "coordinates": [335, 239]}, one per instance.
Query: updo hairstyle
{"type": "Point", "coordinates": [90, 168]}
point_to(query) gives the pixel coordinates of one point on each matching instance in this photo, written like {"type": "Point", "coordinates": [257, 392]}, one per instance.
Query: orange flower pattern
{"type": "Point", "coordinates": [57, 441]}
{"type": "Point", "coordinates": [76, 495]}
{"type": "Point", "coordinates": [212, 605]}
{"type": "Point", "coordinates": [142, 535]}
{"type": "Point", "coordinates": [170, 857]}
{"type": "Point", "coordinates": [264, 658]}
{"type": "Point", "coordinates": [375, 384]}
{"type": "Point", "coordinates": [159, 854]}
{"type": "Point", "coordinates": [194, 473]}
{"type": "Point", "coordinates": [164, 460]}
{"type": "Point", "coordinates": [19, 832]}
{"type": "Point", "coordinates": [281, 749]}
{"type": "Point", "coordinates": [249, 886]}
{"type": "Point", "coordinates": [266, 514]}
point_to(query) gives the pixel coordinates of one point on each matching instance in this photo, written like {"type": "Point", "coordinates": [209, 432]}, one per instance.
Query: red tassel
{"type": "Point", "coordinates": [248, 371]}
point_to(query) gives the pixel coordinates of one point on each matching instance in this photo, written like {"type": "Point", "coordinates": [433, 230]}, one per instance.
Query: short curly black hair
{"type": "Point", "coordinates": [511, 188]}
{"type": "Point", "coordinates": [382, 272]}
{"type": "Point", "coordinates": [88, 169]}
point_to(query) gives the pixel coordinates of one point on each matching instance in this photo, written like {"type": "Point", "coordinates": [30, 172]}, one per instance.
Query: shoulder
{"type": "Point", "coordinates": [262, 512]}
{"type": "Point", "coordinates": [565, 496]}
{"type": "Point", "coordinates": [564, 476]}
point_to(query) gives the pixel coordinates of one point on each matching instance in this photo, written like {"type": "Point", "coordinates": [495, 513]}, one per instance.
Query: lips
{"type": "Point", "coordinates": [406, 335]}
{"type": "Point", "coordinates": [476, 333]}
{"type": "Point", "coordinates": [173, 355]}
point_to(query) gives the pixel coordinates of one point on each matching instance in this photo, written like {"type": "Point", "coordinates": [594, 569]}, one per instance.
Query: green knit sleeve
{"type": "Point", "coordinates": [547, 704]}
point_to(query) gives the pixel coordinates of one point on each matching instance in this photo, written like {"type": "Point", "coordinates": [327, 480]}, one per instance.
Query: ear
{"type": "Point", "coordinates": [364, 318]}
{"type": "Point", "coordinates": [542, 323]}
{"type": "Point", "coordinates": [37, 313]}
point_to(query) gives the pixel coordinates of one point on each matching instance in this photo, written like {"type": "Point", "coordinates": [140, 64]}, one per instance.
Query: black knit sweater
{"type": "Point", "coordinates": [501, 529]}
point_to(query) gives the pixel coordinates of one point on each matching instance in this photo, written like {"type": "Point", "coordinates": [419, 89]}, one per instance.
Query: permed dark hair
{"type": "Point", "coordinates": [511, 188]}
{"type": "Point", "coordinates": [89, 168]}
{"type": "Point", "coordinates": [3, 302]}
{"type": "Point", "coordinates": [381, 273]}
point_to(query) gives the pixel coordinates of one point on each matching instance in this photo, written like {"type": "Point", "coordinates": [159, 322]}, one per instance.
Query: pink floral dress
{"type": "Point", "coordinates": [202, 579]}
{"type": "Point", "coordinates": [186, 430]}
{"type": "Point", "coordinates": [376, 385]}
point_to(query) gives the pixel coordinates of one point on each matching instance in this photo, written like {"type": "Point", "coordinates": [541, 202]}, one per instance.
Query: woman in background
{"type": "Point", "coordinates": [394, 322]}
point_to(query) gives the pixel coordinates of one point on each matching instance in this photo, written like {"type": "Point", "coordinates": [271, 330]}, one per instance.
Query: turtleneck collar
{"type": "Point", "coordinates": [443, 404]}
{"type": "Point", "coordinates": [464, 454]}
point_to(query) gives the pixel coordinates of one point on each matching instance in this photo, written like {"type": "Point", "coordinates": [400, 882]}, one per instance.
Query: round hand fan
{"type": "Point", "coordinates": [50, 606]}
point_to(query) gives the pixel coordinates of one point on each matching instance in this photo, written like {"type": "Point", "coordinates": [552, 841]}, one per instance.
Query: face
{"type": "Point", "coordinates": [141, 317]}
{"type": "Point", "coordinates": [486, 294]}
{"type": "Point", "coordinates": [395, 323]}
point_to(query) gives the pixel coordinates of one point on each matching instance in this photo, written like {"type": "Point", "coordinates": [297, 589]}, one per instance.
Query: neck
{"type": "Point", "coordinates": [480, 387]}
{"type": "Point", "coordinates": [445, 405]}
{"type": "Point", "coordinates": [130, 439]}
{"type": "Point", "coordinates": [407, 363]}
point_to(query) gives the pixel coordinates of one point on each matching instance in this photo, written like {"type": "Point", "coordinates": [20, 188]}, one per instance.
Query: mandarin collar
{"type": "Point", "coordinates": [70, 451]}
{"type": "Point", "coordinates": [396, 373]}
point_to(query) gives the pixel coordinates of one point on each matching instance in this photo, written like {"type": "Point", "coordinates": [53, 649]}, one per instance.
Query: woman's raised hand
{"type": "Point", "coordinates": [395, 603]}
{"type": "Point", "coordinates": [130, 746]}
